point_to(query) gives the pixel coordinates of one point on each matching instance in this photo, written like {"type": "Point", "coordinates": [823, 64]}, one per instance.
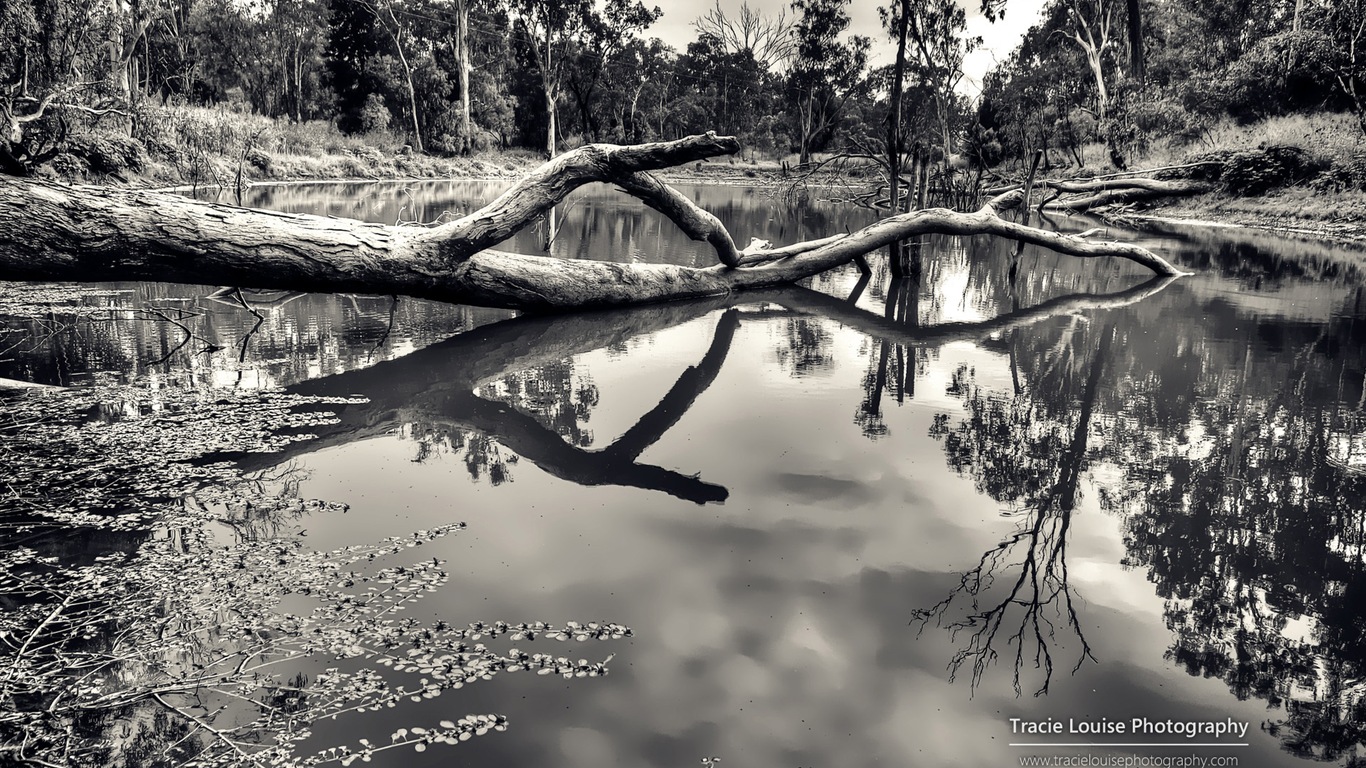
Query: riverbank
{"type": "Point", "coordinates": [186, 148]}
{"type": "Point", "coordinates": [1338, 216]}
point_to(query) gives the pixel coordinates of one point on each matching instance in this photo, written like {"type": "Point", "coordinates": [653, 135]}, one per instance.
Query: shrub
{"type": "Point", "coordinates": [69, 165]}
{"type": "Point", "coordinates": [1255, 172]}
{"type": "Point", "coordinates": [108, 152]}
{"type": "Point", "coordinates": [1211, 168]}
{"type": "Point", "coordinates": [260, 160]}
{"type": "Point", "coordinates": [1343, 175]}
{"type": "Point", "coordinates": [375, 115]}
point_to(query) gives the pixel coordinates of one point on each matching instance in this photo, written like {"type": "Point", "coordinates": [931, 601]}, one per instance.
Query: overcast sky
{"type": "Point", "coordinates": [675, 28]}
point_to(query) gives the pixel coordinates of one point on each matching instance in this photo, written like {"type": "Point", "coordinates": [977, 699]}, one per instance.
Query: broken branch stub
{"type": "Point", "coordinates": [52, 231]}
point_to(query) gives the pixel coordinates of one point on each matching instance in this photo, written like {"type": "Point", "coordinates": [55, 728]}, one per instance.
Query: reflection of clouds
{"type": "Point", "coordinates": [774, 630]}
{"type": "Point", "coordinates": [822, 489]}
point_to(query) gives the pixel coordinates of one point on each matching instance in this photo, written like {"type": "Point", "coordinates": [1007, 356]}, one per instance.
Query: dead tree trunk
{"type": "Point", "coordinates": [1085, 194]}
{"type": "Point", "coordinates": [57, 232]}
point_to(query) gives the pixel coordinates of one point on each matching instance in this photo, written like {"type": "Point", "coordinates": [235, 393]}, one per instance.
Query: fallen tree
{"type": "Point", "coordinates": [1085, 194]}
{"type": "Point", "coordinates": [51, 231]}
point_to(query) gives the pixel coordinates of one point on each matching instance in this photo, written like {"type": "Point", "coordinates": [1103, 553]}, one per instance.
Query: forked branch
{"type": "Point", "coordinates": [57, 232]}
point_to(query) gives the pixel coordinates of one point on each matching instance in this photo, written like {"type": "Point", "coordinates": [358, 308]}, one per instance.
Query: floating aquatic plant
{"type": "Point", "coordinates": [180, 631]}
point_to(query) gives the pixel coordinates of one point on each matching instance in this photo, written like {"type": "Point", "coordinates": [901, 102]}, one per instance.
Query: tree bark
{"type": "Point", "coordinates": [894, 110]}
{"type": "Point", "coordinates": [1094, 193]}
{"type": "Point", "coordinates": [52, 231]}
{"type": "Point", "coordinates": [466, 121]}
{"type": "Point", "coordinates": [1138, 69]}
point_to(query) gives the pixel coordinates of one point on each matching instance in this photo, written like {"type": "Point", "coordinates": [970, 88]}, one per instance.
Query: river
{"type": "Point", "coordinates": [861, 523]}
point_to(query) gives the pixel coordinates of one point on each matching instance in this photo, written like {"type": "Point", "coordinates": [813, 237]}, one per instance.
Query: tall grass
{"type": "Point", "coordinates": [1325, 136]}
{"type": "Point", "coordinates": [200, 146]}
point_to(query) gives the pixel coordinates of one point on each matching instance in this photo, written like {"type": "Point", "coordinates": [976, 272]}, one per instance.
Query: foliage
{"type": "Point", "coordinates": [112, 655]}
{"type": "Point", "coordinates": [826, 73]}
{"type": "Point", "coordinates": [1256, 172]}
{"type": "Point", "coordinates": [1206, 63]}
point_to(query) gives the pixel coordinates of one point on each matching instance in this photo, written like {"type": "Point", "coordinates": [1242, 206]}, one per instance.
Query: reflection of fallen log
{"type": "Point", "coordinates": [435, 386]}
{"type": "Point", "coordinates": [618, 463]}
{"type": "Point", "coordinates": [56, 232]}
{"type": "Point", "coordinates": [816, 303]}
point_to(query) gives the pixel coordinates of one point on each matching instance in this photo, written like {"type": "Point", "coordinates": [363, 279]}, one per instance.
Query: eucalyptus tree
{"type": "Point", "coordinates": [400, 32]}
{"type": "Point", "coordinates": [1343, 23]}
{"type": "Point", "coordinates": [607, 34]}
{"type": "Point", "coordinates": [826, 73]}
{"type": "Point", "coordinates": [723, 88]}
{"type": "Point", "coordinates": [551, 28]}
{"type": "Point", "coordinates": [939, 41]}
{"type": "Point", "coordinates": [770, 40]}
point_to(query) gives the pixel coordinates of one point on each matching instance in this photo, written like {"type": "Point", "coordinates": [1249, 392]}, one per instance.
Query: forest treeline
{"type": "Point", "coordinates": [459, 76]}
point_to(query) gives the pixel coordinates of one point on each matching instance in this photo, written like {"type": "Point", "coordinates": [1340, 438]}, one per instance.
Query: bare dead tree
{"type": "Point", "coordinates": [768, 39]}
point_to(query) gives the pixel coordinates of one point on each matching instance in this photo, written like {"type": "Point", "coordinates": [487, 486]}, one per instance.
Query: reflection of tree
{"type": "Point", "coordinates": [67, 336]}
{"type": "Point", "coordinates": [1253, 534]}
{"type": "Point", "coordinates": [894, 367]}
{"type": "Point", "coordinates": [1020, 456]}
{"type": "Point", "coordinates": [507, 390]}
{"type": "Point", "coordinates": [805, 346]}
{"type": "Point", "coordinates": [1235, 451]}
{"type": "Point", "coordinates": [442, 392]}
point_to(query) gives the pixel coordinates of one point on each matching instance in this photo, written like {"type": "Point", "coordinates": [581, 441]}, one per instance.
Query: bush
{"type": "Point", "coordinates": [1255, 172]}
{"type": "Point", "coordinates": [261, 161]}
{"type": "Point", "coordinates": [108, 152]}
{"type": "Point", "coordinates": [1344, 175]}
{"type": "Point", "coordinates": [375, 115]}
{"type": "Point", "coordinates": [70, 166]}
{"type": "Point", "coordinates": [1211, 168]}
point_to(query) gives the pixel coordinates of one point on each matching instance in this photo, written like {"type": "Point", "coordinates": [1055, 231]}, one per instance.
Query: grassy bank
{"type": "Point", "coordinates": [183, 146]}
{"type": "Point", "coordinates": [1304, 173]}
{"type": "Point", "coordinates": [195, 147]}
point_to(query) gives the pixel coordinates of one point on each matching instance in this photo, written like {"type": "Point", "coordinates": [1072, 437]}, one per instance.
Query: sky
{"type": "Point", "coordinates": [675, 28]}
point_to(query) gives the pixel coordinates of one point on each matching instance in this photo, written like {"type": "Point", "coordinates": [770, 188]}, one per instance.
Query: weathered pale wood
{"type": "Point", "coordinates": [1107, 191]}
{"type": "Point", "coordinates": [52, 231]}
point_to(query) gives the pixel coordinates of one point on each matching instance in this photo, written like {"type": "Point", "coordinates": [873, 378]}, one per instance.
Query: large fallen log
{"type": "Point", "coordinates": [1085, 194]}
{"type": "Point", "coordinates": [53, 231]}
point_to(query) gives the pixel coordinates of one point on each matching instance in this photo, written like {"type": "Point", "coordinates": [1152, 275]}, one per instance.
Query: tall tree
{"type": "Point", "coordinates": [606, 34]}
{"type": "Point", "coordinates": [386, 13]}
{"type": "Point", "coordinates": [1133, 17]}
{"type": "Point", "coordinates": [938, 30]}
{"type": "Point", "coordinates": [1093, 31]}
{"type": "Point", "coordinates": [896, 19]}
{"type": "Point", "coordinates": [1343, 22]}
{"type": "Point", "coordinates": [551, 27]}
{"type": "Point", "coordinates": [827, 71]}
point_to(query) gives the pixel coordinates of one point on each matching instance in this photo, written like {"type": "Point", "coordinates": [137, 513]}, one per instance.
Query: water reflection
{"type": "Point", "coordinates": [1234, 451]}
{"type": "Point", "coordinates": [214, 337]}
{"type": "Point", "coordinates": [510, 385]}
{"type": "Point", "coordinates": [1019, 456]}
{"type": "Point", "coordinates": [981, 449]}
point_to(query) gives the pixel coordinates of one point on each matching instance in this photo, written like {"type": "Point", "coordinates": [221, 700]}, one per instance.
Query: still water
{"type": "Point", "coordinates": [860, 523]}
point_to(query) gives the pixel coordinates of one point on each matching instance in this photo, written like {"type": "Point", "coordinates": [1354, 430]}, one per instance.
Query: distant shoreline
{"type": "Point", "coordinates": [1270, 213]}
{"type": "Point", "coordinates": [1275, 212]}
